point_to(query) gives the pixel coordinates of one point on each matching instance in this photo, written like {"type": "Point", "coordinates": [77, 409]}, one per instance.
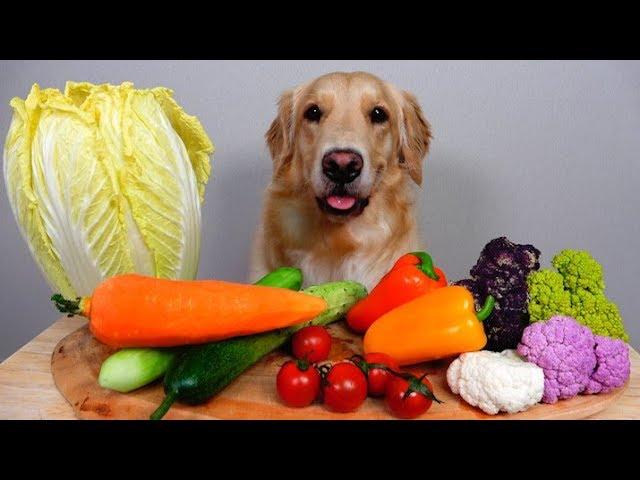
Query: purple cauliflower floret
{"type": "Point", "coordinates": [501, 270]}
{"type": "Point", "coordinates": [613, 365]}
{"type": "Point", "coordinates": [565, 350]}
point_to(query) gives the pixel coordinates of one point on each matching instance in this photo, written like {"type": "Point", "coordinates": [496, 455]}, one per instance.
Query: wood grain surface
{"type": "Point", "coordinates": [77, 358]}
{"type": "Point", "coordinates": [27, 389]}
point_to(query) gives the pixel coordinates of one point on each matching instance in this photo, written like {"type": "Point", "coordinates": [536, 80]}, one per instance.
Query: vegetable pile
{"type": "Point", "coordinates": [106, 184]}
{"type": "Point", "coordinates": [556, 358]}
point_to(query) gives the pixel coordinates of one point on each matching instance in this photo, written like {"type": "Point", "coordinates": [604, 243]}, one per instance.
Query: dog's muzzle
{"type": "Point", "coordinates": [341, 167]}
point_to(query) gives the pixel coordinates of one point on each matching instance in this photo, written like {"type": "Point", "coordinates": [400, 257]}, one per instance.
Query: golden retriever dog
{"type": "Point", "coordinates": [345, 148]}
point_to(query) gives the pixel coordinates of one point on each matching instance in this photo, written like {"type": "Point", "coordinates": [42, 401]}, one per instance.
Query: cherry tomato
{"type": "Point", "coordinates": [377, 378]}
{"type": "Point", "coordinates": [311, 344]}
{"type": "Point", "coordinates": [298, 383]}
{"type": "Point", "coordinates": [345, 387]}
{"type": "Point", "coordinates": [410, 405]}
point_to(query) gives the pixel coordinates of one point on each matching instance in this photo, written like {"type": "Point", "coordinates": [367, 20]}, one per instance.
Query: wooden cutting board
{"type": "Point", "coordinates": [76, 361]}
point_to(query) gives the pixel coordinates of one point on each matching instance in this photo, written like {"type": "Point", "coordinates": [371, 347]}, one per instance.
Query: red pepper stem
{"type": "Point", "coordinates": [487, 308]}
{"type": "Point", "coordinates": [426, 265]}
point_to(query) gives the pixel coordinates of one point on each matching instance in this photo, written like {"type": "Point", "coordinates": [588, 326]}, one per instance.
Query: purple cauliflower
{"type": "Point", "coordinates": [502, 270]}
{"type": "Point", "coordinates": [573, 359]}
{"type": "Point", "coordinates": [613, 365]}
{"type": "Point", "coordinates": [564, 349]}
{"type": "Point", "coordinates": [503, 262]}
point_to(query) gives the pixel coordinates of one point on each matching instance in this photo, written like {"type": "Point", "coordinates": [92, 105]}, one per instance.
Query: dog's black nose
{"type": "Point", "coordinates": [342, 166]}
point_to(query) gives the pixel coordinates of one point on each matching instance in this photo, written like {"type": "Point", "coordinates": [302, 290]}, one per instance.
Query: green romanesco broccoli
{"type": "Point", "coordinates": [547, 296]}
{"type": "Point", "coordinates": [576, 289]}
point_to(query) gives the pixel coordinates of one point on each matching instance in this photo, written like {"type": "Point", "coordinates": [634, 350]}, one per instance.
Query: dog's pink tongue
{"type": "Point", "coordinates": [341, 203]}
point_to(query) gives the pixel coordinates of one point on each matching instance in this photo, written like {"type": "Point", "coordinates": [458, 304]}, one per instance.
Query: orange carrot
{"type": "Point", "coordinates": [139, 311]}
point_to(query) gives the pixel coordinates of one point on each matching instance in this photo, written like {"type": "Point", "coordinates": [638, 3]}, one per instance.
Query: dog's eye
{"type": "Point", "coordinates": [378, 115]}
{"type": "Point", "coordinates": [313, 113]}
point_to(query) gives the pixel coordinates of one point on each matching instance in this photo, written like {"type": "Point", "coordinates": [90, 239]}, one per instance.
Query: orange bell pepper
{"type": "Point", "coordinates": [438, 325]}
{"type": "Point", "coordinates": [411, 276]}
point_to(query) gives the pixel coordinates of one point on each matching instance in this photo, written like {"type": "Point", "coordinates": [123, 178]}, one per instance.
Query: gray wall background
{"type": "Point", "coordinates": [545, 152]}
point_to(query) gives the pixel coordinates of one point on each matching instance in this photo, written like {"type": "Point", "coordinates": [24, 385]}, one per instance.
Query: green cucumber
{"type": "Point", "coordinates": [204, 370]}
{"type": "Point", "coordinates": [132, 368]}
{"type": "Point", "coordinates": [283, 277]}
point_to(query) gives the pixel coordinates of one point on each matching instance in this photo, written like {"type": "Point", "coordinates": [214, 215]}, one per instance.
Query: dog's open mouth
{"type": "Point", "coordinates": [342, 204]}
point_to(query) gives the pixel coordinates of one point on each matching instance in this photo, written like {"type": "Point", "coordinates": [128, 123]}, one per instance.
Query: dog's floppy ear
{"type": "Point", "coordinates": [278, 136]}
{"type": "Point", "coordinates": [415, 137]}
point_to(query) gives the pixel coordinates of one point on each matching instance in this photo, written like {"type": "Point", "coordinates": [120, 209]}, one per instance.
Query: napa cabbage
{"type": "Point", "coordinates": [104, 180]}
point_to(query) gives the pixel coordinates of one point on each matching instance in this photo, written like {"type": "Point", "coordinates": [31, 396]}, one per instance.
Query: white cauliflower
{"type": "Point", "coordinates": [496, 381]}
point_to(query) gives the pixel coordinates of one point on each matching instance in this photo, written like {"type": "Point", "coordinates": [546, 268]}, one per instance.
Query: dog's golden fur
{"type": "Point", "coordinates": [294, 231]}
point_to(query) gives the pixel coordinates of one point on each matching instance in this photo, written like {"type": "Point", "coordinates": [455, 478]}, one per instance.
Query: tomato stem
{"type": "Point", "coordinates": [416, 385]}
{"type": "Point", "coordinates": [303, 364]}
{"type": "Point", "coordinates": [361, 363]}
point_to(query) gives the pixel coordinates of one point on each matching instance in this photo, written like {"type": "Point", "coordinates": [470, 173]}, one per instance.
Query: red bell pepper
{"type": "Point", "coordinates": [411, 276]}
